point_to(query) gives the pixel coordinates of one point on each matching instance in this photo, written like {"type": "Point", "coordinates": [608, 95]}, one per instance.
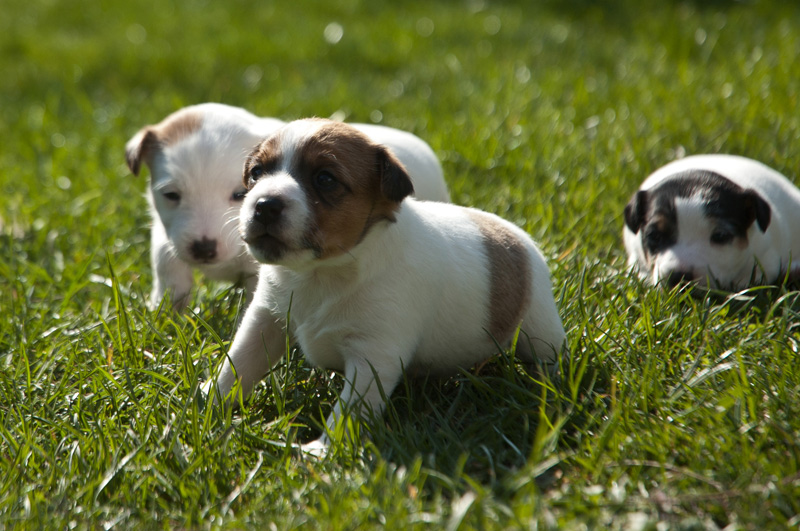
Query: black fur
{"type": "Point", "coordinates": [732, 206]}
{"type": "Point", "coordinates": [395, 183]}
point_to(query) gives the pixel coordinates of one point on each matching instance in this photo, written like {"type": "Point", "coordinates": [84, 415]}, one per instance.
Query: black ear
{"type": "Point", "coordinates": [140, 148]}
{"type": "Point", "coordinates": [758, 209]}
{"type": "Point", "coordinates": [636, 210]}
{"type": "Point", "coordinates": [395, 182]}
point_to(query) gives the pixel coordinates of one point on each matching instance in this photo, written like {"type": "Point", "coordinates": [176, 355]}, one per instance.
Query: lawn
{"type": "Point", "coordinates": [674, 411]}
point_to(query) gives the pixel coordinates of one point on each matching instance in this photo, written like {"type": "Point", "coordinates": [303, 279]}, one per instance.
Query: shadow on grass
{"type": "Point", "coordinates": [483, 427]}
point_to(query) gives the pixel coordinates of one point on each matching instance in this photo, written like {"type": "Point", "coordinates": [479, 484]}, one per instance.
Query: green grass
{"type": "Point", "coordinates": [675, 410]}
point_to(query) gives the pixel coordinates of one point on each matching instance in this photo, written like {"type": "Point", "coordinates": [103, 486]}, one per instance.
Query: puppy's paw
{"type": "Point", "coordinates": [177, 301]}
{"type": "Point", "coordinates": [318, 448]}
{"type": "Point", "coordinates": [208, 391]}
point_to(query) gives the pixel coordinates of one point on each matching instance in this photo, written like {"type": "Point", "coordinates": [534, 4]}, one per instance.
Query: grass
{"type": "Point", "coordinates": [675, 411]}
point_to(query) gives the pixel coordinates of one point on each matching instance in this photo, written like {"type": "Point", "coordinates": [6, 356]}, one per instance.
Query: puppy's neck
{"type": "Point", "coordinates": [355, 264]}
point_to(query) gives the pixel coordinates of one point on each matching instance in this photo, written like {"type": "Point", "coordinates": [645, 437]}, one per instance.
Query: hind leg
{"type": "Point", "coordinates": [542, 339]}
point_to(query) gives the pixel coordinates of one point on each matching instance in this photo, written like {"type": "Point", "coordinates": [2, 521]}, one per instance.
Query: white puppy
{"type": "Point", "coordinates": [376, 284]}
{"type": "Point", "coordinates": [195, 157]}
{"type": "Point", "coordinates": [715, 220]}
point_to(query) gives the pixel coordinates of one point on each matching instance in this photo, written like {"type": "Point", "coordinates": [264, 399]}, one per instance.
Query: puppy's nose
{"type": "Point", "coordinates": [678, 277]}
{"type": "Point", "coordinates": [204, 249]}
{"type": "Point", "coordinates": [268, 210]}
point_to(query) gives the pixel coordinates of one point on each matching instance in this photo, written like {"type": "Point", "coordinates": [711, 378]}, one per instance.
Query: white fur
{"type": "Point", "coordinates": [413, 294]}
{"type": "Point", "coordinates": [767, 255]}
{"type": "Point", "coordinates": [205, 168]}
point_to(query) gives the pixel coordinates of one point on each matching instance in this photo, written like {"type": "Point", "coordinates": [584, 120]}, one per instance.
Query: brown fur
{"type": "Point", "coordinates": [372, 183]}
{"type": "Point", "coordinates": [510, 287]}
{"type": "Point", "coordinates": [267, 155]}
{"type": "Point", "coordinates": [173, 128]}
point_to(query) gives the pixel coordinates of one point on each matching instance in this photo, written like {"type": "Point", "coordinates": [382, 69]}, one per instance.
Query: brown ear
{"type": "Point", "coordinates": [140, 148]}
{"type": "Point", "coordinates": [395, 182]}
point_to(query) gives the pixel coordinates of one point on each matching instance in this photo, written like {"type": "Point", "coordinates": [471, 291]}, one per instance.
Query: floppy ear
{"type": "Point", "coordinates": [139, 148]}
{"type": "Point", "coordinates": [636, 210]}
{"type": "Point", "coordinates": [758, 209]}
{"type": "Point", "coordinates": [395, 182]}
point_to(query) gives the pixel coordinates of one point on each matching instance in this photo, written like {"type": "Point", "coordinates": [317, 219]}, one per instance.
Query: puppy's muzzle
{"type": "Point", "coordinates": [679, 277]}
{"type": "Point", "coordinates": [265, 228]}
{"type": "Point", "coordinates": [204, 250]}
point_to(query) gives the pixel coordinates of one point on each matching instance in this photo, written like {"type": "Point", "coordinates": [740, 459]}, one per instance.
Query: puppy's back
{"type": "Point", "coordinates": [745, 172]}
{"type": "Point", "coordinates": [521, 289]}
{"type": "Point", "coordinates": [484, 275]}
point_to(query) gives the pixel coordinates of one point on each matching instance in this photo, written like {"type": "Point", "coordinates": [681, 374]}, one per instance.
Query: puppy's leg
{"type": "Point", "coordinates": [170, 273]}
{"type": "Point", "coordinates": [362, 392]}
{"type": "Point", "coordinates": [250, 283]}
{"type": "Point", "coordinates": [542, 337]}
{"type": "Point", "coordinates": [259, 343]}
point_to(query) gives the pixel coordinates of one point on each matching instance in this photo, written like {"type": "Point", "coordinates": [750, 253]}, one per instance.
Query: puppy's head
{"type": "Point", "coordinates": [696, 226]}
{"type": "Point", "coordinates": [316, 188]}
{"type": "Point", "coordinates": [195, 156]}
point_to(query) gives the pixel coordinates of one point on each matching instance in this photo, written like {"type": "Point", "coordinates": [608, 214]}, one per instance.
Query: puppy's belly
{"type": "Point", "coordinates": [446, 355]}
{"type": "Point", "coordinates": [438, 351]}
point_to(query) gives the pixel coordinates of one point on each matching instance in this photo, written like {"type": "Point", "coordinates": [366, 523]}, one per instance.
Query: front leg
{"type": "Point", "coordinates": [170, 273]}
{"type": "Point", "coordinates": [259, 344]}
{"type": "Point", "coordinates": [366, 383]}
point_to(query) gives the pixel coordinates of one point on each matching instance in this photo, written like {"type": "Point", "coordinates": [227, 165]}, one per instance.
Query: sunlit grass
{"type": "Point", "coordinates": [675, 409]}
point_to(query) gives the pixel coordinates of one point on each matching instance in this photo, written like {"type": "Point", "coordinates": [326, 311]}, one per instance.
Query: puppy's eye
{"type": "Point", "coordinates": [238, 195]}
{"type": "Point", "coordinates": [256, 172]}
{"type": "Point", "coordinates": [325, 181]}
{"type": "Point", "coordinates": [172, 196]}
{"type": "Point", "coordinates": [721, 237]}
{"type": "Point", "coordinates": [656, 240]}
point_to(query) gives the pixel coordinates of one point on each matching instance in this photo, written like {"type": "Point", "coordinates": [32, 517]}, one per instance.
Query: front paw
{"type": "Point", "coordinates": [318, 448]}
{"type": "Point", "coordinates": [157, 300]}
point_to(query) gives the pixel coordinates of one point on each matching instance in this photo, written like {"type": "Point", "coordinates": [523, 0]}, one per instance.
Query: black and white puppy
{"type": "Point", "coordinates": [375, 281]}
{"type": "Point", "coordinates": [718, 221]}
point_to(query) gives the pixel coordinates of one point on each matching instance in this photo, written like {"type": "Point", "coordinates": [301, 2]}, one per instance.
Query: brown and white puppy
{"type": "Point", "coordinates": [195, 157]}
{"type": "Point", "coordinates": [376, 282]}
{"type": "Point", "coordinates": [716, 221]}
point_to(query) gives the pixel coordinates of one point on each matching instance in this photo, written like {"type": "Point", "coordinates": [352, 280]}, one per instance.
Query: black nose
{"type": "Point", "coordinates": [268, 210]}
{"type": "Point", "coordinates": [679, 277]}
{"type": "Point", "coordinates": [204, 249]}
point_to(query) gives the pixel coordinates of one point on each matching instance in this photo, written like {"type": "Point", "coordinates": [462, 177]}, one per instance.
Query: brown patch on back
{"type": "Point", "coordinates": [510, 283]}
{"type": "Point", "coordinates": [172, 129]}
{"type": "Point", "coordinates": [372, 183]}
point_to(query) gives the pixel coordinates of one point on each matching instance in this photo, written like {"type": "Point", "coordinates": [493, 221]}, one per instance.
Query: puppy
{"type": "Point", "coordinates": [377, 283]}
{"type": "Point", "coordinates": [195, 157]}
{"type": "Point", "coordinates": [718, 221]}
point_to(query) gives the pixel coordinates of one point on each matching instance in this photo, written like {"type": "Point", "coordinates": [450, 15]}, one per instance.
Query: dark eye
{"type": "Point", "coordinates": [172, 196]}
{"type": "Point", "coordinates": [325, 181]}
{"type": "Point", "coordinates": [721, 237]}
{"type": "Point", "coordinates": [256, 172]}
{"type": "Point", "coordinates": [238, 195]}
{"type": "Point", "coordinates": [655, 240]}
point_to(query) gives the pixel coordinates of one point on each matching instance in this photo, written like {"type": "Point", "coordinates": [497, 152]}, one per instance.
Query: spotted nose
{"type": "Point", "coordinates": [268, 210]}
{"type": "Point", "coordinates": [204, 250]}
{"type": "Point", "coordinates": [679, 277]}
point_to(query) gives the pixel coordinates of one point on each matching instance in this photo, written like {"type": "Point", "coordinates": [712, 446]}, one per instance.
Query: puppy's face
{"type": "Point", "coordinates": [696, 226]}
{"type": "Point", "coordinates": [315, 189]}
{"type": "Point", "coordinates": [196, 188]}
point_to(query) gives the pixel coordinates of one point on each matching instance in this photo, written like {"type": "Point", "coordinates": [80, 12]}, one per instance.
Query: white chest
{"type": "Point", "coordinates": [323, 318]}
